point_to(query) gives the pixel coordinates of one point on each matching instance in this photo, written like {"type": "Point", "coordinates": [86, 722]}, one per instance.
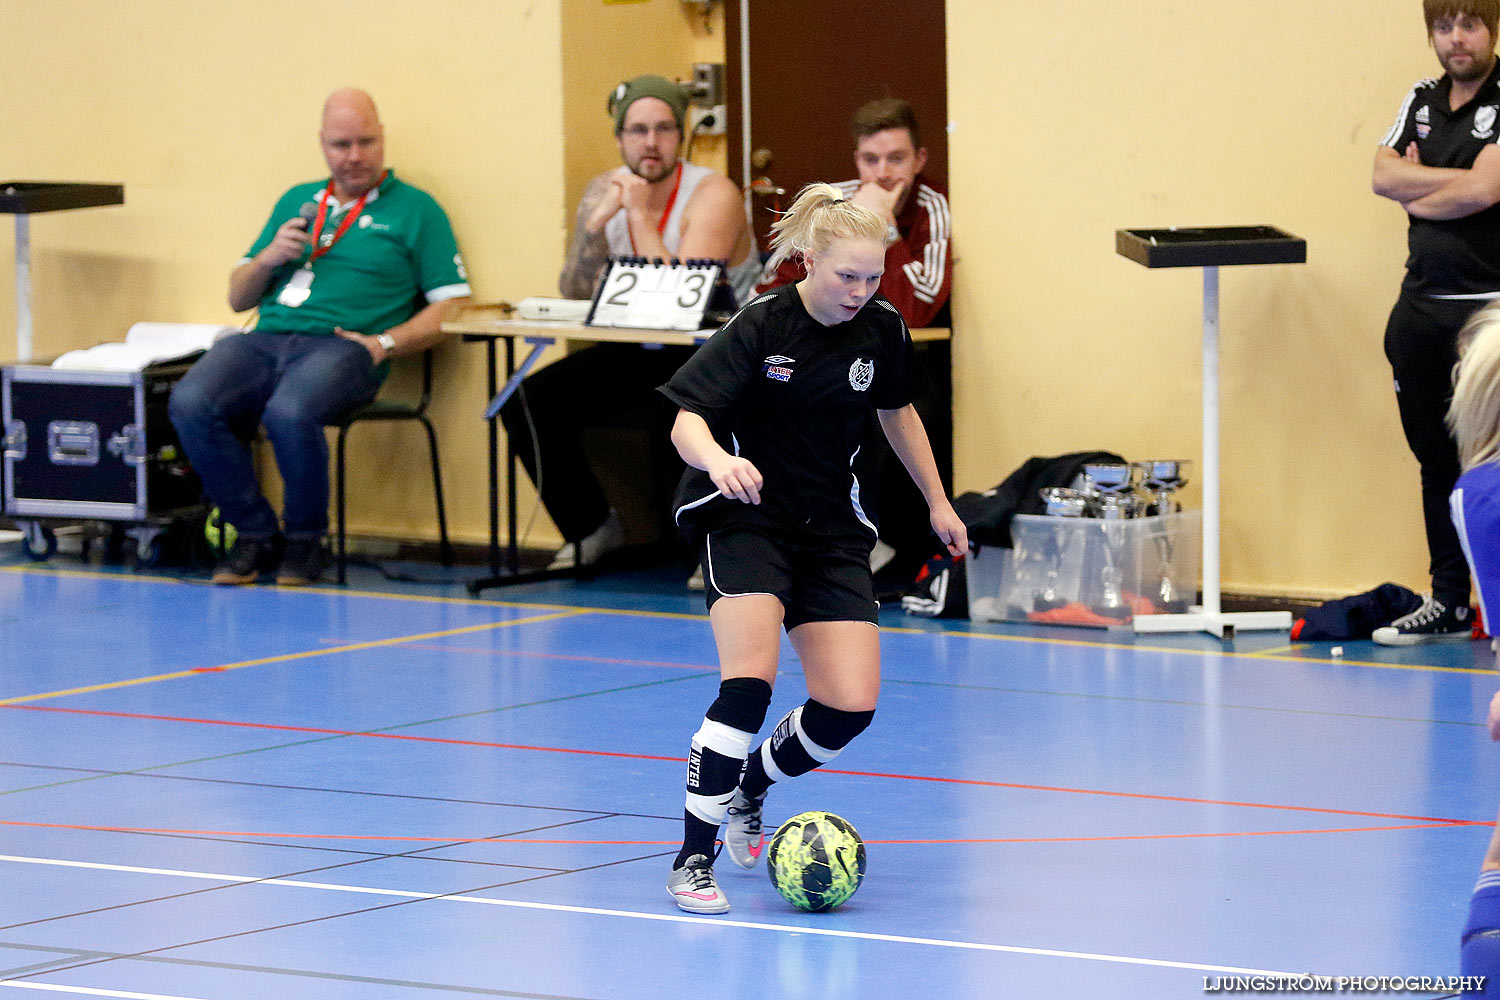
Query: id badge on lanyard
{"type": "Point", "coordinates": [297, 289]}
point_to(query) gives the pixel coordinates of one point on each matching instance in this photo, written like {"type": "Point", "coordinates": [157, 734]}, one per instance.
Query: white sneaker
{"type": "Point", "coordinates": [692, 887]}
{"type": "Point", "coordinates": [604, 539]}
{"type": "Point", "coordinates": [1434, 621]}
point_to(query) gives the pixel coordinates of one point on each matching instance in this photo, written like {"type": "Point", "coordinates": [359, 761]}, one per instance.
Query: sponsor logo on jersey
{"type": "Point", "coordinates": [778, 367]}
{"type": "Point", "coordinates": [1484, 121]}
{"type": "Point", "coordinates": [1423, 131]}
{"type": "Point", "coordinates": [861, 374]}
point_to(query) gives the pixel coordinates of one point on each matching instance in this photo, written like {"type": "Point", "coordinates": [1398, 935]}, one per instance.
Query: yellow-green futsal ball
{"type": "Point", "coordinates": [816, 861]}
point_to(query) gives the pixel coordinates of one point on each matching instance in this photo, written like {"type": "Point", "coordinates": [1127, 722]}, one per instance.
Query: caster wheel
{"type": "Point", "coordinates": [38, 541]}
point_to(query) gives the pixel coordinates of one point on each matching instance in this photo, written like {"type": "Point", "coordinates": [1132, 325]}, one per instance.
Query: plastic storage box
{"type": "Point", "coordinates": [1087, 570]}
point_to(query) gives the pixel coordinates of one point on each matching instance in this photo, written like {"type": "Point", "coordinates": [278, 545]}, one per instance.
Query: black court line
{"type": "Point", "coordinates": [435, 897]}
{"type": "Point", "coordinates": [498, 838]}
{"type": "Point", "coordinates": [372, 732]}
{"type": "Point", "coordinates": [1186, 703]}
{"type": "Point", "coordinates": [190, 778]}
{"type": "Point", "coordinates": [272, 970]}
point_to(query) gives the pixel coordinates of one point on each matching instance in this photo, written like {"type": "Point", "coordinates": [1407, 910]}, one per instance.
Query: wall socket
{"type": "Point", "coordinates": [719, 125]}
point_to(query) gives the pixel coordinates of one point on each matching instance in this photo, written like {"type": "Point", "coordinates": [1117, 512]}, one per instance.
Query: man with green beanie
{"type": "Point", "coordinates": [653, 205]}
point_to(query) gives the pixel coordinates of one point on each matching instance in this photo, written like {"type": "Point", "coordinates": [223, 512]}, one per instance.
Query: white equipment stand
{"type": "Point", "coordinates": [1209, 249]}
{"type": "Point", "coordinates": [25, 198]}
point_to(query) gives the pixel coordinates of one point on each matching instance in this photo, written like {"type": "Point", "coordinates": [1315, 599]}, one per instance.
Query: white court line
{"type": "Point", "coordinates": [91, 992]}
{"type": "Point", "coordinates": [682, 918]}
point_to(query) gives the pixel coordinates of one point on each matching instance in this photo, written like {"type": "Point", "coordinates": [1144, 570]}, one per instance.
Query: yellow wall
{"type": "Point", "coordinates": [603, 44]}
{"type": "Point", "coordinates": [206, 112]}
{"type": "Point", "coordinates": [1068, 125]}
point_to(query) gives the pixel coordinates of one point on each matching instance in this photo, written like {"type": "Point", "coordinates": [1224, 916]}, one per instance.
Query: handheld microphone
{"type": "Point", "coordinates": [307, 213]}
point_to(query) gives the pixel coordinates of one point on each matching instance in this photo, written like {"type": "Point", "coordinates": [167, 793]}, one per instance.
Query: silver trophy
{"type": "Point", "coordinates": [1061, 502]}
{"type": "Point", "coordinates": [1102, 482]}
{"type": "Point", "coordinates": [1112, 494]}
{"type": "Point", "coordinates": [1161, 478]}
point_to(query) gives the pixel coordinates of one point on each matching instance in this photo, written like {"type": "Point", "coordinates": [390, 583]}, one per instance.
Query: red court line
{"type": "Point", "coordinates": [673, 843]}
{"type": "Point", "coordinates": [1188, 800]}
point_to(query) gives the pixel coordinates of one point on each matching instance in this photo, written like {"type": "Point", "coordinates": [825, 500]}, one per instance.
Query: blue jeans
{"type": "Point", "coordinates": [293, 384]}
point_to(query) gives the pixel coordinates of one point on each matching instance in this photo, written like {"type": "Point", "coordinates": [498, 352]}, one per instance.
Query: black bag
{"type": "Point", "coordinates": [987, 515]}
{"type": "Point", "coordinates": [941, 587]}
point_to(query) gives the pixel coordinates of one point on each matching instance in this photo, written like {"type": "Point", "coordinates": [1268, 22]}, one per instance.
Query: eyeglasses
{"type": "Point", "coordinates": [661, 131]}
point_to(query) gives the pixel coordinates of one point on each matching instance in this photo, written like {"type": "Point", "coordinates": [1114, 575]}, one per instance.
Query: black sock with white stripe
{"type": "Point", "coordinates": [809, 736]}
{"type": "Point", "coordinates": [716, 760]}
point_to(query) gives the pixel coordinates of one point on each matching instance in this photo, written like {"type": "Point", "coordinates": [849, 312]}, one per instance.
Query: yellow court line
{"type": "Point", "coordinates": [1272, 655]}
{"type": "Point", "coordinates": [287, 657]}
{"type": "Point", "coordinates": [1336, 661]}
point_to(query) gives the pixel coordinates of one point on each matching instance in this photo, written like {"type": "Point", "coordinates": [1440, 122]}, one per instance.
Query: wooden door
{"type": "Point", "coordinates": [812, 63]}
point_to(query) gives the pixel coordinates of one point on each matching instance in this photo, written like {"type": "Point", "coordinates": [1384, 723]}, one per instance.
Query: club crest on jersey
{"type": "Point", "coordinates": [778, 367]}
{"type": "Point", "coordinates": [1484, 122]}
{"type": "Point", "coordinates": [861, 374]}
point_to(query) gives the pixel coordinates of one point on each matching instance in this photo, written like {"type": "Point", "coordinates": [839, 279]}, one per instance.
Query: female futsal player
{"type": "Point", "coordinates": [771, 415]}
{"type": "Point", "coordinates": [1474, 418]}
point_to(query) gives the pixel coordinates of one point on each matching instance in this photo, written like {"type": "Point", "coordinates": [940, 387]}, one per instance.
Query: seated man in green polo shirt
{"type": "Point", "coordinates": [347, 273]}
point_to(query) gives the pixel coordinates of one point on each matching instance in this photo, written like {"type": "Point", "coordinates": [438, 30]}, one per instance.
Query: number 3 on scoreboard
{"type": "Point", "coordinates": [693, 286]}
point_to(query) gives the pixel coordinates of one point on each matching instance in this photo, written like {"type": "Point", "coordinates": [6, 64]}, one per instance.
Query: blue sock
{"type": "Point", "coordinates": [1480, 951]}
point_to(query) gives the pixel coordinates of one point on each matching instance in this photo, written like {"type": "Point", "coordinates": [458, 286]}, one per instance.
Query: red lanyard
{"type": "Point", "coordinates": [666, 213]}
{"type": "Point", "coordinates": [318, 248]}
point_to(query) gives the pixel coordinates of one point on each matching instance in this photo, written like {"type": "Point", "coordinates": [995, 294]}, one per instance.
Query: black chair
{"type": "Point", "coordinates": [382, 409]}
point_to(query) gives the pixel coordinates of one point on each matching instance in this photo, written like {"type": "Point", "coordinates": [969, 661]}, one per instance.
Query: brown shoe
{"type": "Point", "coordinates": [303, 562]}
{"type": "Point", "coordinates": [246, 561]}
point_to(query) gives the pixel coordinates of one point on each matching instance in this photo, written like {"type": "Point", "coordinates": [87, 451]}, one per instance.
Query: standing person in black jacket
{"type": "Point", "coordinates": [1440, 163]}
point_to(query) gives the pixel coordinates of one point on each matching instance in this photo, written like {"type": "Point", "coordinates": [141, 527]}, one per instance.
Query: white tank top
{"type": "Point", "coordinates": [741, 277]}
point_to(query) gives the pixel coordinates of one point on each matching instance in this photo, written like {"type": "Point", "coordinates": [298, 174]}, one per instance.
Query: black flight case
{"type": "Point", "coordinates": [84, 446]}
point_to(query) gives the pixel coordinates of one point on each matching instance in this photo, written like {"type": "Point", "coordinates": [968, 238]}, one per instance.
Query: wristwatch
{"type": "Point", "coordinates": [386, 341]}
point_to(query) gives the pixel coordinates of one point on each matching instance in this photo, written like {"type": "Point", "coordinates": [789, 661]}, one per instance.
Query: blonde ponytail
{"type": "Point", "coordinates": [819, 215]}
{"type": "Point", "coordinates": [1474, 415]}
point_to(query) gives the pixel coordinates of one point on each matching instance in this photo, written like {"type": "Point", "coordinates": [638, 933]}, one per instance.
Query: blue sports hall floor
{"type": "Point", "coordinates": [399, 791]}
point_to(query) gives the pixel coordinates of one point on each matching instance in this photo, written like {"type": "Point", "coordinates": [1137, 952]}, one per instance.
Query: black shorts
{"type": "Point", "coordinates": [815, 580]}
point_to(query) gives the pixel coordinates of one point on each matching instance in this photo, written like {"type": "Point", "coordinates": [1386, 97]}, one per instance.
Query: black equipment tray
{"type": "Point", "coordinates": [30, 197]}
{"type": "Point", "coordinates": [1210, 247]}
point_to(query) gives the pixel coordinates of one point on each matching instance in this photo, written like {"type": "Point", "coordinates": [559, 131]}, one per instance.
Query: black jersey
{"type": "Point", "coordinates": [794, 397]}
{"type": "Point", "coordinates": [1451, 256]}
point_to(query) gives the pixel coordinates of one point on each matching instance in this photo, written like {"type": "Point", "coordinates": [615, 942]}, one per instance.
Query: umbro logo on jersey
{"type": "Point", "coordinates": [778, 367]}
{"type": "Point", "coordinates": [1484, 122]}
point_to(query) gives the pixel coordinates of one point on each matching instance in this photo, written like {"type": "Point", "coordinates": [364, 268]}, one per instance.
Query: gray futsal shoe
{"type": "Point", "coordinates": [744, 838]}
{"type": "Point", "coordinates": [693, 888]}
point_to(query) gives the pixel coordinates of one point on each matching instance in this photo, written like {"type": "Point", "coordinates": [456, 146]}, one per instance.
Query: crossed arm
{"type": "Point", "coordinates": [713, 226]}
{"type": "Point", "coordinates": [1437, 192]}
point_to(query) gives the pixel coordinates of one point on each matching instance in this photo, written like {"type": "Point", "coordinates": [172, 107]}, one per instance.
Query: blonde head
{"type": "Point", "coordinates": [1474, 414]}
{"type": "Point", "coordinates": [819, 216]}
